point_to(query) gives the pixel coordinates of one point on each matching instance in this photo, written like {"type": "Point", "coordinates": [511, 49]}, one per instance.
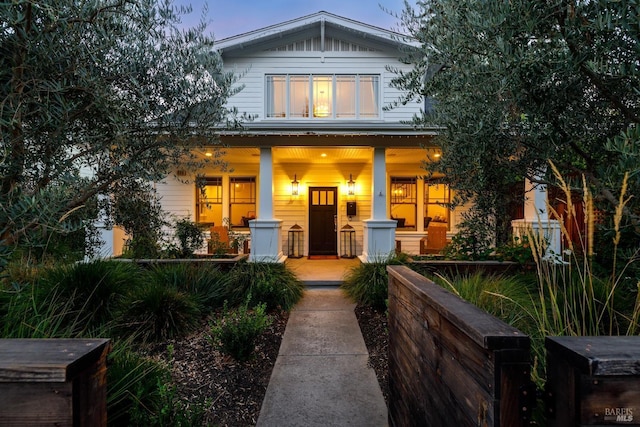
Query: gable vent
{"type": "Point", "coordinates": [313, 45]}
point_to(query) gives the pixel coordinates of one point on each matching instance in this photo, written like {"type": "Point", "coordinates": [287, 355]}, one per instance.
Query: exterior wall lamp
{"type": "Point", "coordinates": [295, 186]}
{"type": "Point", "coordinates": [351, 186]}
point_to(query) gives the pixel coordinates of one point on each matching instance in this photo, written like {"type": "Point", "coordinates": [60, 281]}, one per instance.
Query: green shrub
{"type": "Point", "coordinates": [155, 312]}
{"type": "Point", "coordinates": [270, 283]}
{"type": "Point", "coordinates": [190, 237]}
{"type": "Point", "coordinates": [140, 392]}
{"type": "Point", "coordinates": [507, 297]}
{"type": "Point", "coordinates": [65, 301]}
{"type": "Point", "coordinates": [132, 384]}
{"type": "Point", "coordinates": [92, 290]}
{"type": "Point", "coordinates": [368, 283]}
{"type": "Point", "coordinates": [519, 251]}
{"type": "Point", "coordinates": [236, 331]}
{"type": "Point", "coordinates": [205, 282]}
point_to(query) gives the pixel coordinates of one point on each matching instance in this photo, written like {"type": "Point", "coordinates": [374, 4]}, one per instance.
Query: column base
{"type": "Point", "coordinates": [266, 241]}
{"type": "Point", "coordinates": [548, 228]}
{"type": "Point", "coordinates": [378, 240]}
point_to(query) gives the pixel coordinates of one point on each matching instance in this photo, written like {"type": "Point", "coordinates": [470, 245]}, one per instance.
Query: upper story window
{"type": "Point", "coordinates": [326, 96]}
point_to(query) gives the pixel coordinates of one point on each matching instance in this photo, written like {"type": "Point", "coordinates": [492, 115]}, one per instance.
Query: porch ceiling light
{"type": "Point", "coordinates": [295, 186]}
{"type": "Point", "coordinates": [351, 186]}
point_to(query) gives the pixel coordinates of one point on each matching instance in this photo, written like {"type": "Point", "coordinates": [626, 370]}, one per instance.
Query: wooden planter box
{"type": "Point", "coordinates": [593, 380]}
{"type": "Point", "coordinates": [53, 382]}
{"type": "Point", "coordinates": [450, 363]}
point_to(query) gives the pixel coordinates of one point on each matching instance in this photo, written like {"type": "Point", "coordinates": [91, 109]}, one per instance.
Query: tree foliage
{"type": "Point", "coordinates": [95, 92]}
{"type": "Point", "coordinates": [517, 83]}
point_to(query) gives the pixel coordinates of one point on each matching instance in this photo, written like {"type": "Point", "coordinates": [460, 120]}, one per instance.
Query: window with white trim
{"type": "Point", "coordinates": [437, 198]}
{"type": "Point", "coordinates": [404, 201]}
{"type": "Point", "coordinates": [209, 201]}
{"type": "Point", "coordinates": [323, 96]}
{"type": "Point", "coordinates": [242, 200]}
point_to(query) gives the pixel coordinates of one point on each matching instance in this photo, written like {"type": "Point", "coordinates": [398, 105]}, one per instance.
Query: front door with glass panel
{"type": "Point", "coordinates": [323, 211]}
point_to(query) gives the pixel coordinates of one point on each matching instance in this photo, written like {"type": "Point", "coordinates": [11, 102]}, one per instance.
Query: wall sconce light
{"type": "Point", "coordinates": [295, 186]}
{"type": "Point", "coordinates": [351, 186]}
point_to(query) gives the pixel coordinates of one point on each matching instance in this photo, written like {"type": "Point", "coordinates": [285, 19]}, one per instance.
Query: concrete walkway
{"type": "Point", "coordinates": [321, 377]}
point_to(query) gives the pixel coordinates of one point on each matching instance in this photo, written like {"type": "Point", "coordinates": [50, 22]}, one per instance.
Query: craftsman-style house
{"type": "Point", "coordinates": [323, 154]}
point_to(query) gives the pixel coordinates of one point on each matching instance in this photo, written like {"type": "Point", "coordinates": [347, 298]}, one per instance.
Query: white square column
{"type": "Point", "coordinates": [536, 220]}
{"type": "Point", "coordinates": [379, 231]}
{"type": "Point", "coordinates": [266, 237]}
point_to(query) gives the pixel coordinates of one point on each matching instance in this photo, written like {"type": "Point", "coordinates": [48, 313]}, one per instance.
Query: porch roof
{"type": "Point", "coordinates": [334, 128]}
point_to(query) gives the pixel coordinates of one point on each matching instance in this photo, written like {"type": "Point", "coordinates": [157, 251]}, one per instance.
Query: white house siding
{"type": "Point", "coordinates": [251, 99]}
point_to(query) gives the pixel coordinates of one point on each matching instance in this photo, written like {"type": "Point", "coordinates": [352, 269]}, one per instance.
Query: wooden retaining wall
{"type": "Point", "coordinates": [450, 363]}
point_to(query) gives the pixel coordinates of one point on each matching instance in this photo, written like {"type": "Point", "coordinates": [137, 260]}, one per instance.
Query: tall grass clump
{"type": "Point", "coordinates": [154, 312]}
{"type": "Point", "coordinates": [573, 299]}
{"type": "Point", "coordinates": [205, 282]}
{"type": "Point", "coordinates": [92, 290]}
{"type": "Point", "coordinates": [505, 297]}
{"type": "Point", "coordinates": [269, 283]}
{"type": "Point", "coordinates": [140, 392]}
{"type": "Point", "coordinates": [132, 383]}
{"type": "Point", "coordinates": [368, 283]}
{"type": "Point", "coordinates": [68, 300]}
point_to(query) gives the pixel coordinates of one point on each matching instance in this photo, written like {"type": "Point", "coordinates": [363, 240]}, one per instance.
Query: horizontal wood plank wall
{"type": "Point", "coordinates": [450, 363]}
{"type": "Point", "coordinates": [594, 380]}
{"type": "Point", "coordinates": [295, 210]}
{"type": "Point", "coordinates": [53, 382]}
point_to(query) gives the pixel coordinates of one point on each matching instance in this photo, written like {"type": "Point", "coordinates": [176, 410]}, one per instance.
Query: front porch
{"type": "Point", "coordinates": [320, 190]}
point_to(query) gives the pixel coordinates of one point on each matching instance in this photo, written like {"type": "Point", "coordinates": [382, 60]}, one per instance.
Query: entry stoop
{"type": "Point", "coordinates": [321, 272]}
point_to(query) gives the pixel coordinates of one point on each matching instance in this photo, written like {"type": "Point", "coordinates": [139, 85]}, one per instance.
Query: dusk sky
{"type": "Point", "coordinates": [230, 18]}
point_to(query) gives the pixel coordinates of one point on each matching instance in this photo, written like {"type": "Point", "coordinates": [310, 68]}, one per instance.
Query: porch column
{"type": "Point", "coordinates": [536, 220]}
{"type": "Point", "coordinates": [266, 238]}
{"type": "Point", "coordinates": [379, 232]}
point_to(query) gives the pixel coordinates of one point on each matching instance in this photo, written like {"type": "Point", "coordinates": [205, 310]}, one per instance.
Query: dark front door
{"type": "Point", "coordinates": [323, 211]}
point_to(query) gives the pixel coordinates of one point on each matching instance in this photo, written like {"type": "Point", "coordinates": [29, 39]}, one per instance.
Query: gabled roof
{"type": "Point", "coordinates": [316, 23]}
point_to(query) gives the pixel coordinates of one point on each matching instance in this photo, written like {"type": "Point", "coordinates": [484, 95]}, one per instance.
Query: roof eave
{"type": "Point", "coordinates": [280, 30]}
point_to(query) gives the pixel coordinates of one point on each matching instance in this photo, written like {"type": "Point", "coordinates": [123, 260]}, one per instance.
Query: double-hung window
{"type": "Point", "coordinates": [323, 96]}
{"type": "Point", "coordinates": [404, 201]}
{"type": "Point", "coordinates": [242, 200]}
{"type": "Point", "coordinates": [437, 198]}
{"type": "Point", "coordinates": [209, 201]}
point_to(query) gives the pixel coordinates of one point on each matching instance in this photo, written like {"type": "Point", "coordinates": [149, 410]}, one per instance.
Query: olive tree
{"type": "Point", "coordinates": [96, 92]}
{"type": "Point", "coordinates": [517, 83]}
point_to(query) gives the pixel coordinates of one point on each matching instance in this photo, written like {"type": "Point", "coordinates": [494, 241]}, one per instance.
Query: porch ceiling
{"type": "Point", "coordinates": [320, 155]}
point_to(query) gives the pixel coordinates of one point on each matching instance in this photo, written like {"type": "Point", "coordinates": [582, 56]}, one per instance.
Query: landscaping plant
{"type": "Point", "coordinates": [189, 236]}
{"type": "Point", "coordinates": [236, 330]}
{"type": "Point", "coordinates": [269, 283]}
{"type": "Point", "coordinates": [368, 283]}
{"type": "Point", "coordinates": [205, 282]}
{"type": "Point", "coordinates": [155, 312]}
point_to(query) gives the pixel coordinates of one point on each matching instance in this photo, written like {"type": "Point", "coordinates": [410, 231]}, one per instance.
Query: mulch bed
{"type": "Point", "coordinates": [236, 389]}
{"type": "Point", "coordinates": [375, 331]}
